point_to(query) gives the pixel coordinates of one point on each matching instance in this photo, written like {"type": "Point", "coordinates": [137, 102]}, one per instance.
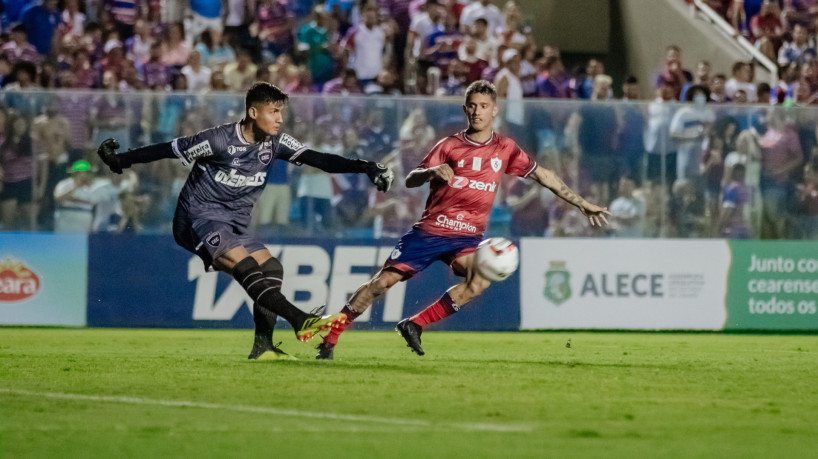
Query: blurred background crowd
{"type": "Point", "coordinates": [701, 152]}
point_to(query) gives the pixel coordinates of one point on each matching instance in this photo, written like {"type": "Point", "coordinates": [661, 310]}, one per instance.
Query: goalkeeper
{"type": "Point", "coordinates": [230, 164]}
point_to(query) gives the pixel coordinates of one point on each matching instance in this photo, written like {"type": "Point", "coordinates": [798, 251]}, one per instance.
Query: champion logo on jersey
{"type": "Point", "coordinates": [265, 156]}
{"type": "Point", "coordinates": [496, 164]}
{"type": "Point", "coordinates": [214, 239]}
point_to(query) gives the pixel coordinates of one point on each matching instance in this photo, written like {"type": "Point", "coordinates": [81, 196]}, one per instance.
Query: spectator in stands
{"type": "Point", "coordinates": [236, 23]}
{"type": "Point", "coordinates": [487, 45]}
{"type": "Point", "coordinates": [72, 21]}
{"type": "Point", "coordinates": [124, 13]}
{"type": "Point", "coordinates": [747, 153]}
{"type": "Point", "coordinates": [718, 91]}
{"type": "Point", "coordinates": [721, 141]}
{"type": "Point", "coordinates": [673, 69]}
{"type": "Point", "coordinates": [596, 131]}
{"type": "Point", "coordinates": [376, 139]}
{"type": "Point", "coordinates": [215, 51]}
{"type": "Point", "coordinates": [79, 196]}
{"type": "Point", "coordinates": [630, 140]}
{"type": "Point", "coordinates": [792, 51]}
{"type": "Point", "coordinates": [303, 83]}
{"type": "Point", "coordinates": [314, 41]}
{"type": "Point", "coordinates": [206, 15]}
{"type": "Point", "coordinates": [41, 21]}
{"type": "Point", "coordinates": [513, 33]}
{"type": "Point", "coordinates": [583, 85]}
{"type": "Point", "coordinates": [689, 126]}
{"type": "Point", "coordinates": [422, 25]}
{"type": "Point", "coordinates": [442, 44]}
{"type": "Point", "coordinates": [807, 193]}
{"type": "Point", "coordinates": [347, 83]}
{"type": "Point", "coordinates": [154, 72]}
{"type": "Point", "coordinates": [528, 72]}
{"type": "Point", "coordinates": [283, 72]}
{"type": "Point", "coordinates": [49, 136]}
{"type": "Point", "coordinates": [686, 211]}
{"type": "Point", "coordinates": [18, 48]}
{"type": "Point", "coordinates": [553, 80]}
{"type": "Point", "coordinates": [767, 29]}
{"type": "Point", "coordinates": [742, 79]}
{"type": "Point", "coordinates": [781, 158]}
{"type": "Point", "coordinates": [25, 74]}
{"type": "Point", "coordinates": [131, 80]}
{"type": "Point", "coordinates": [627, 212]}
{"type": "Point", "coordinates": [175, 50]}
{"type": "Point", "coordinates": [385, 85]}
{"type": "Point", "coordinates": [700, 77]}
{"type": "Point", "coordinates": [732, 219]}
{"type": "Point", "coordinates": [5, 70]}
{"type": "Point", "coordinates": [467, 54]}
{"type": "Point", "coordinates": [366, 44]}
{"type": "Point", "coordinates": [110, 113]}
{"type": "Point", "coordinates": [17, 164]}
{"type": "Point", "coordinates": [239, 75]}
{"type": "Point", "coordinates": [138, 47]}
{"type": "Point", "coordinates": [661, 148]}
{"type": "Point", "coordinates": [114, 60]}
{"type": "Point", "coordinates": [273, 24]}
{"type": "Point", "coordinates": [198, 76]}
{"type": "Point", "coordinates": [509, 87]}
{"type": "Point", "coordinates": [763, 93]}
{"type": "Point", "coordinates": [480, 9]}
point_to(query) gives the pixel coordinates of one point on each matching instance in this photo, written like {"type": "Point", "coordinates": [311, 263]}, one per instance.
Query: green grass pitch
{"type": "Point", "coordinates": [171, 393]}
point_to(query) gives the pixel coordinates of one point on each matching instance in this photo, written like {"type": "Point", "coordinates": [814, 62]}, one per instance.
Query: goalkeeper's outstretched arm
{"type": "Point", "coordinates": [107, 152]}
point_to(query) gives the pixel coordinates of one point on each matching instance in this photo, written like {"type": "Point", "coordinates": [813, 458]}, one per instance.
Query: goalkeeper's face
{"type": "Point", "coordinates": [480, 109]}
{"type": "Point", "coordinates": [268, 117]}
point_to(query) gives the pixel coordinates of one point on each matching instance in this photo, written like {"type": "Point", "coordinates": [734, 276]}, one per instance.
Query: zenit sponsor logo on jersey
{"type": "Point", "coordinates": [463, 182]}
{"type": "Point", "coordinates": [233, 149]}
{"type": "Point", "coordinates": [457, 225]}
{"type": "Point", "coordinates": [237, 180]}
{"type": "Point", "coordinates": [17, 282]}
{"type": "Point", "coordinates": [199, 150]}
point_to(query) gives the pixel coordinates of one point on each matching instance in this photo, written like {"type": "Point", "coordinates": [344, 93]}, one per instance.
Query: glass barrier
{"type": "Point", "coordinates": [663, 169]}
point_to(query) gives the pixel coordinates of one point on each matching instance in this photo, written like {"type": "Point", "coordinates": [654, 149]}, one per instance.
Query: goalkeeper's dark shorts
{"type": "Point", "coordinates": [418, 249]}
{"type": "Point", "coordinates": [210, 239]}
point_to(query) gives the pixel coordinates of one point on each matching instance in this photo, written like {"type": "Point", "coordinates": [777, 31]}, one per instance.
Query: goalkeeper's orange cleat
{"type": "Point", "coordinates": [315, 324]}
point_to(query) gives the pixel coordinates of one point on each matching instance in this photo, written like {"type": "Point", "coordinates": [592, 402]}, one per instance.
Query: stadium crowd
{"type": "Point", "coordinates": [74, 73]}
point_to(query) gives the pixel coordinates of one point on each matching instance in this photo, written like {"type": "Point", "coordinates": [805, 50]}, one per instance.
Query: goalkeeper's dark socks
{"type": "Point", "coordinates": [265, 293]}
{"type": "Point", "coordinates": [265, 322]}
{"type": "Point", "coordinates": [335, 332]}
{"type": "Point", "coordinates": [440, 309]}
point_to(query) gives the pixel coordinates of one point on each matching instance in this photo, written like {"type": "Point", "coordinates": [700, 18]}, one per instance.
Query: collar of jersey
{"type": "Point", "coordinates": [239, 134]}
{"type": "Point", "coordinates": [467, 139]}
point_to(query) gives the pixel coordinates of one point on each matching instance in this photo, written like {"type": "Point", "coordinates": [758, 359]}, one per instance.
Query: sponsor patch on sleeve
{"type": "Point", "coordinates": [200, 150]}
{"type": "Point", "coordinates": [295, 147]}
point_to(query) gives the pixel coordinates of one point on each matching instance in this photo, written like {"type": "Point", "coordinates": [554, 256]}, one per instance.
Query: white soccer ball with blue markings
{"type": "Point", "coordinates": [497, 258]}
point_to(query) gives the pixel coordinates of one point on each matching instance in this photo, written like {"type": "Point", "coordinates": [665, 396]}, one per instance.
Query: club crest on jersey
{"type": "Point", "coordinates": [496, 164]}
{"type": "Point", "coordinates": [265, 156]}
{"type": "Point", "coordinates": [214, 239]}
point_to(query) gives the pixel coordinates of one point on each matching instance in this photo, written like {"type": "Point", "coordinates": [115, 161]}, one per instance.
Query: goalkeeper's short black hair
{"type": "Point", "coordinates": [264, 93]}
{"type": "Point", "coordinates": [482, 87]}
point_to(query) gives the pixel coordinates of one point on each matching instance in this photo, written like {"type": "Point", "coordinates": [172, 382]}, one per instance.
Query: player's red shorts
{"type": "Point", "coordinates": [418, 249]}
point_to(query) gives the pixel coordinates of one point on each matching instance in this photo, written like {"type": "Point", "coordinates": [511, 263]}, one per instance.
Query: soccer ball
{"type": "Point", "coordinates": [497, 258]}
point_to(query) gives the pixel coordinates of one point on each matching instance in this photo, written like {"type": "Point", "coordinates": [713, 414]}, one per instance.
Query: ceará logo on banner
{"type": "Point", "coordinates": [610, 285]}
{"type": "Point", "coordinates": [17, 282]}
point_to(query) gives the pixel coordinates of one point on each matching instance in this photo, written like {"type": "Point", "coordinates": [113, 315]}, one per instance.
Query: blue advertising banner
{"type": "Point", "coordinates": [42, 279]}
{"type": "Point", "coordinates": [148, 281]}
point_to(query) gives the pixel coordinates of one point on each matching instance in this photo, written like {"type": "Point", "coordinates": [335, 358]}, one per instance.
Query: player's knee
{"type": "Point", "coordinates": [273, 271]}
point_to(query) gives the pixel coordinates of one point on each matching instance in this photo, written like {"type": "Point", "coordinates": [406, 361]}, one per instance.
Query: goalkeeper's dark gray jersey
{"type": "Point", "coordinates": [228, 173]}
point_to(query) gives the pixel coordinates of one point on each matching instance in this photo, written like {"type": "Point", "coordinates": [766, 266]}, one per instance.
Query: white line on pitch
{"type": "Point", "coordinates": [469, 426]}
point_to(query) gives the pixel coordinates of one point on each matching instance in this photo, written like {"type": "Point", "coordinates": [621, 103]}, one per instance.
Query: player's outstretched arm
{"type": "Point", "coordinates": [422, 175]}
{"type": "Point", "coordinates": [380, 175]}
{"type": "Point", "coordinates": [550, 180]}
{"type": "Point", "coordinates": [107, 152]}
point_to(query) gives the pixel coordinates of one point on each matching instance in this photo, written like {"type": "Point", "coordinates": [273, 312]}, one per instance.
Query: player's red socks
{"type": "Point", "coordinates": [440, 309]}
{"type": "Point", "coordinates": [335, 332]}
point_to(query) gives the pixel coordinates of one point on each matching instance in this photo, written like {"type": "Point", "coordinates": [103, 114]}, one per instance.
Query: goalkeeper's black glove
{"type": "Point", "coordinates": [380, 175]}
{"type": "Point", "coordinates": [107, 153]}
